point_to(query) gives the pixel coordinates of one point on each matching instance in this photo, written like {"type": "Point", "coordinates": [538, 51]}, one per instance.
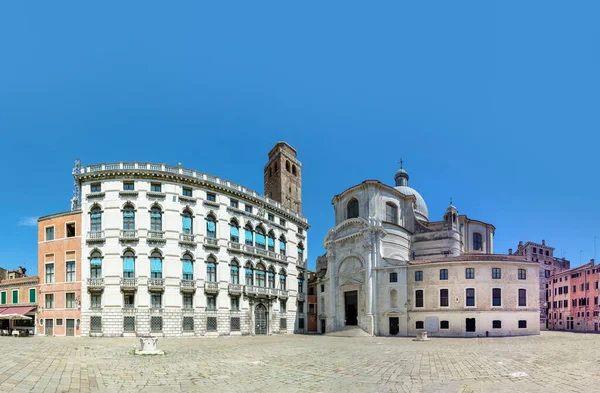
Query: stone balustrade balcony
{"type": "Point", "coordinates": [211, 287]}
{"type": "Point", "coordinates": [283, 294]}
{"type": "Point", "coordinates": [128, 235]}
{"type": "Point", "coordinates": [188, 286]}
{"type": "Point", "coordinates": [236, 289]}
{"type": "Point", "coordinates": [156, 284]}
{"type": "Point", "coordinates": [95, 284]}
{"type": "Point", "coordinates": [301, 296]}
{"type": "Point", "coordinates": [156, 237]}
{"type": "Point", "coordinates": [188, 239]}
{"type": "Point", "coordinates": [211, 242]}
{"type": "Point", "coordinates": [260, 291]}
{"type": "Point", "coordinates": [129, 284]}
{"type": "Point", "coordinates": [95, 237]}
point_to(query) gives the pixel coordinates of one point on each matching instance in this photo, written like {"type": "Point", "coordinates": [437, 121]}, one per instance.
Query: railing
{"type": "Point", "coordinates": [302, 263]}
{"type": "Point", "coordinates": [209, 241]}
{"type": "Point", "coordinates": [156, 283]}
{"type": "Point", "coordinates": [189, 285]}
{"type": "Point", "coordinates": [258, 251]}
{"type": "Point", "coordinates": [129, 308]}
{"type": "Point", "coordinates": [234, 246]}
{"type": "Point", "coordinates": [283, 294]}
{"type": "Point", "coordinates": [129, 234]}
{"type": "Point", "coordinates": [194, 174]}
{"type": "Point", "coordinates": [211, 308]}
{"type": "Point", "coordinates": [95, 236]}
{"type": "Point", "coordinates": [95, 283]}
{"type": "Point", "coordinates": [156, 236]}
{"type": "Point", "coordinates": [129, 282]}
{"type": "Point", "coordinates": [236, 288]}
{"type": "Point", "coordinates": [211, 287]}
{"type": "Point", "coordinates": [254, 290]}
{"type": "Point", "coordinates": [187, 238]}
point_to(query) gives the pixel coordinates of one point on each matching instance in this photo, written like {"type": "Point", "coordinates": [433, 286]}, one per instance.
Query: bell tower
{"type": "Point", "coordinates": [283, 177]}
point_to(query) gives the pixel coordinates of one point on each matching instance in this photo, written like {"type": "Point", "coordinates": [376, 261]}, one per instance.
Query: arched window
{"type": "Point", "coordinates": [128, 218]}
{"type": "Point", "coordinates": [96, 219]}
{"type": "Point", "coordinates": [156, 264]}
{"type": "Point", "coordinates": [271, 277]}
{"type": "Point", "coordinates": [300, 252]}
{"type": "Point", "coordinates": [271, 241]}
{"type": "Point", "coordinates": [234, 272]}
{"type": "Point", "coordinates": [211, 226]}
{"type": "Point", "coordinates": [282, 280]}
{"type": "Point", "coordinates": [477, 242]}
{"type": "Point", "coordinates": [211, 270]}
{"type": "Point", "coordinates": [249, 272]}
{"type": "Point", "coordinates": [301, 283]}
{"type": "Point", "coordinates": [234, 231]}
{"type": "Point", "coordinates": [294, 170]}
{"type": "Point", "coordinates": [260, 238]}
{"type": "Point", "coordinates": [249, 235]}
{"type": "Point", "coordinates": [393, 299]}
{"type": "Point", "coordinates": [287, 165]}
{"type": "Point", "coordinates": [187, 263]}
{"type": "Point", "coordinates": [391, 213]}
{"type": "Point", "coordinates": [96, 265]}
{"type": "Point", "coordinates": [352, 208]}
{"type": "Point", "coordinates": [187, 222]}
{"type": "Point", "coordinates": [128, 264]}
{"type": "Point", "coordinates": [260, 275]}
{"type": "Point", "coordinates": [156, 219]}
{"type": "Point", "coordinates": [282, 245]}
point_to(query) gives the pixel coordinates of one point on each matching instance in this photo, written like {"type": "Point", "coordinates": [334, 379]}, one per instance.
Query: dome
{"type": "Point", "coordinates": [421, 210]}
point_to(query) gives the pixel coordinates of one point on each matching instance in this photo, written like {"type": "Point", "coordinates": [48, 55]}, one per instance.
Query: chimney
{"type": "Point", "coordinates": [510, 251]}
{"type": "Point", "coordinates": [543, 242]}
{"type": "Point", "coordinates": [520, 242]}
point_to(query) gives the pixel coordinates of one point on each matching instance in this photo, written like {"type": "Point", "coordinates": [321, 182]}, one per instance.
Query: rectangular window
{"type": "Point", "coordinates": [323, 286]}
{"type": "Point", "coordinates": [587, 286]}
{"type": "Point", "coordinates": [443, 298]}
{"type": "Point", "coordinates": [129, 300]}
{"type": "Point", "coordinates": [49, 300]}
{"type": "Point", "coordinates": [70, 271]}
{"type": "Point", "coordinates": [522, 274]}
{"type": "Point", "coordinates": [574, 288]}
{"type": "Point", "coordinates": [444, 325]}
{"type": "Point", "coordinates": [581, 287]}
{"type": "Point", "coordinates": [96, 301]}
{"type": "Point", "coordinates": [565, 304]}
{"type": "Point", "coordinates": [534, 250]}
{"type": "Point", "coordinates": [32, 295]}
{"type": "Point", "coordinates": [547, 273]}
{"type": "Point", "coordinates": [129, 324]}
{"type": "Point", "coordinates": [566, 289]}
{"type": "Point", "coordinates": [522, 324]}
{"type": "Point", "coordinates": [188, 301]}
{"type": "Point", "coordinates": [211, 197]}
{"type": "Point", "coordinates": [419, 275]}
{"type": "Point", "coordinates": [311, 308]}
{"type": "Point", "coordinates": [477, 242]}
{"type": "Point", "coordinates": [128, 186]}
{"type": "Point", "coordinates": [547, 253]}
{"type": "Point", "coordinates": [156, 300]}
{"type": "Point", "coordinates": [211, 303]}
{"type": "Point", "coordinates": [301, 307]}
{"type": "Point", "coordinates": [470, 273]}
{"type": "Point", "coordinates": [496, 324]}
{"type": "Point", "coordinates": [271, 217]}
{"type": "Point", "coordinates": [49, 273]}
{"type": "Point", "coordinates": [419, 325]}
{"type": "Point", "coordinates": [393, 277]}
{"type": "Point", "coordinates": [496, 297]}
{"type": "Point", "coordinates": [3, 298]}
{"type": "Point", "coordinates": [301, 323]}
{"type": "Point", "coordinates": [419, 298]}
{"type": "Point", "coordinates": [522, 297]}
{"type": "Point", "coordinates": [96, 187]}
{"type": "Point", "coordinates": [443, 274]}
{"type": "Point", "coordinates": [49, 233]}
{"type": "Point", "coordinates": [70, 229]}
{"type": "Point", "coordinates": [156, 324]}
{"type": "Point", "coordinates": [235, 303]}
{"type": "Point", "coordinates": [155, 187]}
{"type": "Point", "coordinates": [282, 306]}
{"type": "Point", "coordinates": [282, 222]}
{"type": "Point", "coordinates": [496, 273]}
{"type": "Point", "coordinates": [211, 324]}
{"type": "Point", "coordinates": [96, 324]}
{"type": "Point", "coordinates": [15, 296]}
{"type": "Point", "coordinates": [248, 208]}
{"type": "Point", "coordinates": [233, 203]}
{"type": "Point", "coordinates": [70, 300]}
{"type": "Point", "coordinates": [188, 324]}
{"type": "Point", "coordinates": [187, 192]}
{"type": "Point", "coordinates": [234, 324]}
{"type": "Point", "coordinates": [470, 297]}
{"type": "Point", "coordinates": [391, 213]}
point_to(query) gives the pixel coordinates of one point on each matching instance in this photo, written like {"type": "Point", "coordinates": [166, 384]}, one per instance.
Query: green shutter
{"type": "Point", "coordinates": [3, 299]}
{"type": "Point", "coordinates": [32, 295]}
{"type": "Point", "coordinates": [15, 297]}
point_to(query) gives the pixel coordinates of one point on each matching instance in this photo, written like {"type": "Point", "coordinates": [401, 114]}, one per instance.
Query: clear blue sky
{"type": "Point", "coordinates": [494, 105]}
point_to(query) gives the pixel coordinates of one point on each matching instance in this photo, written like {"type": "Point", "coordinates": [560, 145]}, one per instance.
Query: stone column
{"type": "Point", "coordinates": [333, 310]}
{"type": "Point", "coordinates": [368, 247]}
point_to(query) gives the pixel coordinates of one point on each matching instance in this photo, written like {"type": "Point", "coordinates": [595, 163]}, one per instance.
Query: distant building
{"type": "Point", "coordinates": [18, 295]}
{"type": "Point", "coordinates": [549, 264]}
{"type": "Point", "coordinates": [2, 273]}
{"type": "Point", "coordinates": [59, 266]}
{"type": "Point", "coordinates": [311, 301]}
{"type": "Point", "coordinates": [573, 299]}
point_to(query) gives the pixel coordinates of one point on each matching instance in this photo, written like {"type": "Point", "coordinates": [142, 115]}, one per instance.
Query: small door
{"type": "Point", "coordinates": [322, 326]}
{"type": "Point", "coordinates": [595, 326]}
{"type": "Point", "coordinates": [260, 319]}
{"type": "Point", "coordinates": [470, 322]}
{"type": "Point", "coordinates": [49, 327]}
{"type": "Point", "coordinates": [351, 307]}
{"type": "Point", "coordinates": [394, 326]}
{"type": "Point", "coordinates": [70, 327]}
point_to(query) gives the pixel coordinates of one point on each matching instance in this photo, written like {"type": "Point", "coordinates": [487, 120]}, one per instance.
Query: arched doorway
{"type": "Point", "coordinates": [260, 319]}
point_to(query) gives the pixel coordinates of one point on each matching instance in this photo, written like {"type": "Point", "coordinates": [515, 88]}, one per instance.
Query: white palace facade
{"type": "Point", "coordinates": [168, 251]}
{"type": "Point", "coordinates": [392, 272]}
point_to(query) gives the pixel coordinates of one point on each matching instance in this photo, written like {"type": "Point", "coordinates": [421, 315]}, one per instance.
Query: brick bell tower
{"type": "Point", "coordinates": [283, 177]}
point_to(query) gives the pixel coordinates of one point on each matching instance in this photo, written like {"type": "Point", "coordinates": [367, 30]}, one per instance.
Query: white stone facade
{"type": "Point", "coordinates": [178, 215]}
{"type": "Point", "coordinates": [392, 272]}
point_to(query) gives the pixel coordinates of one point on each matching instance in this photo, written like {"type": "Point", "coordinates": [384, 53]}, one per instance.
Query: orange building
{"type": "Point", "coordinates": [59, 267]}
{"type": "Point", "coordinates": [18, 295]}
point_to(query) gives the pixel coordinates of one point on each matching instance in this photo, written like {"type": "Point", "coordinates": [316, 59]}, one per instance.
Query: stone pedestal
{"type": "Point", "coordinates": [421, 336]}
{"type": "Point", "coordinates": [149, 346]}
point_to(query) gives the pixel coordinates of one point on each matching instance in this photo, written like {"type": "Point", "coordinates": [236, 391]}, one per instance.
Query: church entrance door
{"type": "Point", "coordinates": [260, 319]}
{"type": "Point", "coordinates": [470, 322]}
{"type": "Point", "coordinates": [394, 326]}
{"type": "Point", "coordinates": [351, 307]}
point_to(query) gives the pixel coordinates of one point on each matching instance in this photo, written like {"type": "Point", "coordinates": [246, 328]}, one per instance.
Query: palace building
{"type": "Point", "coordinates": [392, 272]}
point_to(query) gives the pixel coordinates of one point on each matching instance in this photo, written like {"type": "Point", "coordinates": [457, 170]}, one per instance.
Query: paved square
{"type": "Point", "coordinates": [551, 362]}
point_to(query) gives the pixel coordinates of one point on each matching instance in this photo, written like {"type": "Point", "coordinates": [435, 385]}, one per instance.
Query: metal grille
{"type": "Point", "coordinates": [211, 324]}
{"type": "Point", "coordinates": [188, 323]}
{"type": "Point", "coordinates": [235, 324]}
{"type": "Point", "coordinates": [129, 324]}
{"type": "Point", "coordinates": [96, 324]}
{"type": "Point", "coordinates": [156, 324]}
{"type": "Point", "coordinates": [283, 323]}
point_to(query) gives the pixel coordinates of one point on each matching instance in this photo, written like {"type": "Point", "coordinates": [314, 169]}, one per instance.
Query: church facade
{"type": "Point", "coordinates": [392, 272]}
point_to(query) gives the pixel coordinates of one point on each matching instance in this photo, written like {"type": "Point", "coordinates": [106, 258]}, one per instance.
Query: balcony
{"type": "Point", "coordinates": [128, 193]}
{"type": "Point", "coordinates": [283, 294]}
{"type": "Point", "coordinates": [282, 258]}
{"type": "Point", "coordinates": [129, 235]}
{"type": "Point", "coordinates": [187, 239]}
{"type": "Point", "coordinates": [129, 284]}
{"type": "Point", "coordinates": [95, 284]}
{"type": "Point", "coordinates": [211, 287]}
{"type": "Point", "coordinates": [210, 242]}
{"type": "Point", "coordinates": [156, 284]}
{"type": "Point", "coordinates": [301, 296]}
{"type": "Point", "coordinates": [257, 251]}
{"type": "Point", "coordinates": [188, 286]}
{"type": "Point", "coordinates": [156, 237]}
{"type": "Point", "coordinates": [236, 289]}
{"type": "Point", "coordinates": [95, 237]}
{"type": "Point", "coordinates": [235, 247]}
{"type": "Point", "coordinates": [260, 291]}
{"type": "Point", "coordinates": [302, 263]}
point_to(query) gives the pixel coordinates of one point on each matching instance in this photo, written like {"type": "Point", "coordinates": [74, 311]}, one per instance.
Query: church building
{"type": "Point", "coordinates": [392, 272]}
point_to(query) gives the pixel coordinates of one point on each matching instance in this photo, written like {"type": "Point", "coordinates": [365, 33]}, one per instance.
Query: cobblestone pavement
{"type": "Point", "coordinates": [551, 362]}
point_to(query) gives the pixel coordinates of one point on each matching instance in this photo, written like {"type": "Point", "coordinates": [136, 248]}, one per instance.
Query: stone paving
{"type": "Point", "coordinates": [551, 362]}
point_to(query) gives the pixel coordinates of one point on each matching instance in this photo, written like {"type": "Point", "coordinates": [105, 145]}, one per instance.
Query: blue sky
{"type": "Point", "coordinates": [494, 105]}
